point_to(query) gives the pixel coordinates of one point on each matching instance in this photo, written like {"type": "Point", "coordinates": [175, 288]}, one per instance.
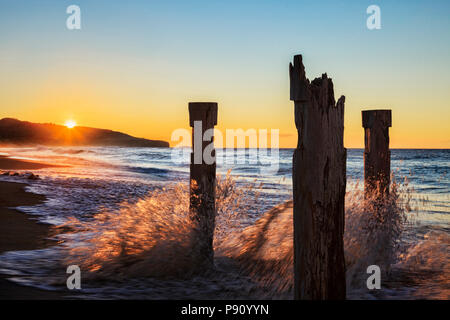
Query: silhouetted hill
{"type": "Point", "coordinates": [16, 132]}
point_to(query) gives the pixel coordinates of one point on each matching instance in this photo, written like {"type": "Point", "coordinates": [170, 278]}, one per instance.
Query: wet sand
{"type": "Point", "coordinates": [16, 164]}
{"type": "Point", "coordinates": [19, 231]}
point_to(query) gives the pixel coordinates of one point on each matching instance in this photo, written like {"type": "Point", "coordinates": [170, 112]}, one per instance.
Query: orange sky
{"type": "Point", "coordinates": [105, 104]}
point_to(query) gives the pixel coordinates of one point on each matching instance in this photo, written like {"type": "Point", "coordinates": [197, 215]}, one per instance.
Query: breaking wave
{"type": "Point", "coordinates": [153, 238]}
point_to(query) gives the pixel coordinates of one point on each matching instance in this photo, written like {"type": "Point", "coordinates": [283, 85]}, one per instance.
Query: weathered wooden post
{"type": "Point", "coordinates": [203, 118]}
{"type": "Point", "coordinates": [377, 157]}
{"type": "Point", "coordinates": [319, 181]}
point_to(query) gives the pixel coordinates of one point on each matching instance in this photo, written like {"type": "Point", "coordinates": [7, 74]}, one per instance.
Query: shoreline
{"type": "Point", "coordinates": [19, 231]}
{"type": "Point", "coordinates": [7, 163]}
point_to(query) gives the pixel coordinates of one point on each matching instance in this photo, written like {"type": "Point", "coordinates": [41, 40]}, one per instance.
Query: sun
{"type": "Point", "coordinates": [70, 124]}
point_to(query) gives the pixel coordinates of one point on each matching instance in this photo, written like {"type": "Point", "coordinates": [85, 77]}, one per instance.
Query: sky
{"type": "Point", "coordinates": [134, 65]}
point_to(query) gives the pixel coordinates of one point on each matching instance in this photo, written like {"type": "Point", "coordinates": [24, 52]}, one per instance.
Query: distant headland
{"type": "Point", "coordinates": [15, 132]}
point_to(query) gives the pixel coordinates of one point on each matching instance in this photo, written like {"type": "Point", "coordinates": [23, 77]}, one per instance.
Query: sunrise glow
{"type": "Point", "coordinates": [70, 124]}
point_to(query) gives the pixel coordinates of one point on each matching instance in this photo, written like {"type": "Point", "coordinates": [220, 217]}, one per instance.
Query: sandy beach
{"type": "Point", "coordinates": [17, 230]}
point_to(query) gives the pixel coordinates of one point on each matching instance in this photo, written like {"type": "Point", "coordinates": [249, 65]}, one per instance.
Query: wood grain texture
{"type": "Point", "coordinates": [319, 181]}
{"type": "Point", "coordinates": [377, 157]}
{"type": "Point", "coordinates": [202, 190]}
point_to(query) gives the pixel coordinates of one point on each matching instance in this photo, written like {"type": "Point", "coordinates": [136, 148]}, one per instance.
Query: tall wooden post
{"type": "Point", "coordinates": [203, 118]}
{"type": "Point", "coordinates": [377, 157]}
{"type": "Point", "coordinates": [319, 181]}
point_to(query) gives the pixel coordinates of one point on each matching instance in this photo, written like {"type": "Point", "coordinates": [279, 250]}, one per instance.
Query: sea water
{"type": "Point", "coordinates": [136, 198]}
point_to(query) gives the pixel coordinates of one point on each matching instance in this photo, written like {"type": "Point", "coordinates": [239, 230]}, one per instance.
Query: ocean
{"type": "Point", "coordinates": [111, 198]}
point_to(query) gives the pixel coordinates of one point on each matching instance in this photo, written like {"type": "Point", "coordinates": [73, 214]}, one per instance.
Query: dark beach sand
{"type": "Point", "coordinates": [18, 231]}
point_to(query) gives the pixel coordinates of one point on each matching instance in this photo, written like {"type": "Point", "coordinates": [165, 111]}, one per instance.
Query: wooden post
{"type": "Point", "coordinates": [377, 157]}
{"type": "Point", "coordinates": [202, 117]}
{"type": "Point", "coordinates": [319, 181]}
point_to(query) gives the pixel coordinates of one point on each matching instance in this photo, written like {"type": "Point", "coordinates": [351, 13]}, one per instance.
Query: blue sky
{"type": "Point", "coordinates": [155, 56]}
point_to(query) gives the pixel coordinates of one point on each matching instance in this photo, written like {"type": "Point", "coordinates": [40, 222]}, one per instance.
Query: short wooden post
{"type": "Point", "coordinates": [377, 157]}
{"type": "Point", "coordinates": [319, 181]}
{"type": "Point", "coordinates": [203, 118]}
